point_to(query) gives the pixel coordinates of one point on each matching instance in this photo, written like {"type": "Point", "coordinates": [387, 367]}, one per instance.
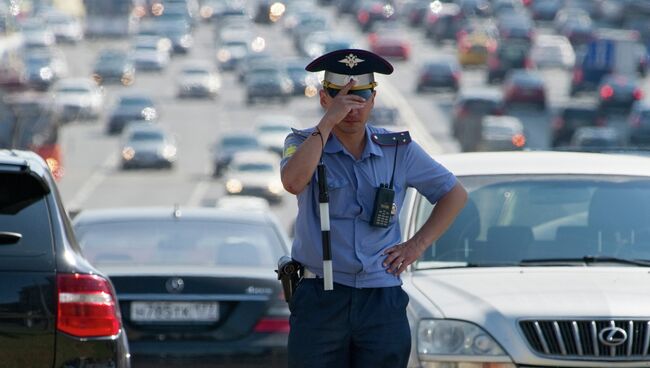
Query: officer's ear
{"type": "Point", "coordinates": [324, 97]}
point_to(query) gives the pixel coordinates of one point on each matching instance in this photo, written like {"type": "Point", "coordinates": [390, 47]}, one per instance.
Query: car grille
{"type": "Point", "coordinates": [586, 339]}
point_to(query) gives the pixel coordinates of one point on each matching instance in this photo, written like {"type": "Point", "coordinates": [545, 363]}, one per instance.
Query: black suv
{"type": "Point", "coordinates": [56, 310]}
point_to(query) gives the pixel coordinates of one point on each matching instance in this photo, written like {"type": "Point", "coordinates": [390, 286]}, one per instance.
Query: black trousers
{"type": "Point", "coordinates": [348, 327]}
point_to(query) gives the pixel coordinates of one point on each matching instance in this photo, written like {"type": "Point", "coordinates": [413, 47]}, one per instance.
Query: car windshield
{"type": "Point", "coordinates": [191, 243]}
{"type": "Point", "coordinates": [511, 218]}
{"type": "Point", "coordinates": [235, 142]}
{"type": "Point", "coordinates": [72, 90]}
{"type": "Point", "coordinates": [254, 167]}
{"type": "Point", "coordinates": [146, 136]}
{"type": "Point", "coordinates": [274, 129]}
{"type": "Point", "coordinates": [135, 101]}
{"type": "Point", "coordinates": [196, 72]}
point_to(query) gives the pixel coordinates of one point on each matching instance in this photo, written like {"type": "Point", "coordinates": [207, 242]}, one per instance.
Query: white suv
{"type": "Point", "coordinates": [548, 264]}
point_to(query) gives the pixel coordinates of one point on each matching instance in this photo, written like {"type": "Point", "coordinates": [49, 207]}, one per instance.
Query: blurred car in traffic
{"type": "Point", "coordinates": [516, 27]}
{"type": "Point", "coordinates": [441, 73]}
{"type": "Point", "coordinates": [524, 87]}
{"type": "Point", "coordinates": [579, 31]}
{"type": "Point", "coordinates": [268, 84]}
{"type": "Point", "coordinates": [77, 98]}
{"type": "Point", "coordinates": [114, 66]}
{"type": "Point", "coordinates": [639, 124]}
{"type": "Point", "coordinates": [370, 12]}
{"type": "Point", "coordinates": [385, 117]}
{"type": "Point", "coordinates": [255, 173]}
{"type": "Point", "coordinates": [251, 61]}
{"type": "Point", "coordinates": [196, 285]}
{"type": "Point", "coordinates": [571, 117]}
{"type": "Point", "coordinates": [596, 138]}
{"type": "Point", "coordinates": [617, 93]}
{"type": "Point", "coordinates": [469, 109]}
{"type": "Point", "coordinates": [551, 51]}
{"type": "Point", "coordinates": [147, 145]}
{"type": "Point", "coordinates": [533, 220]}
{"type": "Point", "coordinates": [36, 34]}
{"type": "Point", "coordinates": [475, 42]}
{"type": "Point", "coordinates": [545, 10]}
{"type": "Point", "coordinates": [509, 55]}
{"type": "Point", "coordinates": [149, 57]}
{"type": "Point", "coordinates": [304, 82]}
{"type": "Point", "coordinates": [130, 107]}
{"type": "Point", "coordinates": [443, 22]}
{"type": "Point", "coordinates": [242, 202]}
{"type": "Point", "coordinates": [392, 45]}
{"type": "Point", "coordinates": [231, 52]}
{"type": "Point", "coordinates": [272, 130]}
{"type": "Point", "coordinates": [68, 308]}
{"type": "Point", "coordinates": [44, 67]}
{"type": "Point", "coordinates": [66, 28]}
{"type": "Point", "coordinates": [229, 144]}
{"type": "Point", "coordinates": [198, 79]}
{"type": "Point", "coordinates": [501, 133]}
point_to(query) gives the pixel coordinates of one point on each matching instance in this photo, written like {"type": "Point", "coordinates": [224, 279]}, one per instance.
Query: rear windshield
{"type": "Point", "coordinates": [481, 105]}
{"type": "Point", "coordinates": [579, 114]}
{"type": "Point", "coordinates": [24, 211]}
{"type": "Point", "coordinates": [198, 243]}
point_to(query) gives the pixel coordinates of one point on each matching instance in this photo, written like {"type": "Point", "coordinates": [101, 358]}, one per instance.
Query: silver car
{"type": "Point", "coordinates": [546, 266]}
{"type": "Point", "coordinates": [146, 145]}
{"type": "Point", "coordinates": [255, 173]}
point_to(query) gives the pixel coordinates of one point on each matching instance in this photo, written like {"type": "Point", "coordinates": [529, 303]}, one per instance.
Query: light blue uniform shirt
{"type": "Point", "coordinates": [358, 248]}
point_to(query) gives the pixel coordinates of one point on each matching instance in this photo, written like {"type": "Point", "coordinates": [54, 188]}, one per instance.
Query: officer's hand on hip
{"type": "Point", "coordinates": [402, 255]}
{"type": "Point", "coordinates": [341, 105]}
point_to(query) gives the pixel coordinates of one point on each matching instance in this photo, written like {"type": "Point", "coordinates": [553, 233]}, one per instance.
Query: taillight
{"type": "Point", "coordinates": [493, 62]}
{"type": "Point", "coordinates": [456, 76]}
{"type": "Point", "coordinates": [558, 123]}
{"type": "Point", "coordinates": [528, 64]}
{"type": "Point", "coordinates": [87, 306]}
{"type": "Point", "coordinates": [272, 325]}
{"type": "Point", "coordinates": [638, 94]}
{"type": "Point", "coordinates": [277, 318]}
{"type": "Point", "coordinates": [606, 92]}
{"type": "Point", "coordinates": [577, 76]}
{"type": "Point", "coordinates": [363, 17]}
{"type": "Point", "coordinates": [519, 140]}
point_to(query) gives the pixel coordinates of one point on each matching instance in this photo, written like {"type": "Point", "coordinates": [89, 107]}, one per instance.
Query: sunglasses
{"type": "Point", "coordinates": [364, 93]}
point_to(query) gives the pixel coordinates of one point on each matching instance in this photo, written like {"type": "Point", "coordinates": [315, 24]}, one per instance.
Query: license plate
{"type": "Point", "coordinates": [174, 311]}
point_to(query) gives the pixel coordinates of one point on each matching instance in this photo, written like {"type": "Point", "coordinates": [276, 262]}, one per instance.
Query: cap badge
{"type": "Point", "coordinates": [351, 60]}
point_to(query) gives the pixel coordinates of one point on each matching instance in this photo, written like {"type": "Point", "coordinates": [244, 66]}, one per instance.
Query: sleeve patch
{"type": "Point", "coordinates": [289, 151]}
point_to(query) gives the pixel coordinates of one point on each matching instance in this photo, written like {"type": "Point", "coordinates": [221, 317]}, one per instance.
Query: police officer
{"type": "Point", "coordinates": [361, 322]}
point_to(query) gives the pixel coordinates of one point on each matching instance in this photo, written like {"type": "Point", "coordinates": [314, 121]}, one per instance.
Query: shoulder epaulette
{"type": "Point", "coordinates": [304, 133]}
{"type": "Point", "coordinates": [391, 139]}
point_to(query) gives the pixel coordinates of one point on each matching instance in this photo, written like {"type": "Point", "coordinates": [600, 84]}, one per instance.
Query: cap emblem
{"type": "Point", "coordinates": [351, 61]}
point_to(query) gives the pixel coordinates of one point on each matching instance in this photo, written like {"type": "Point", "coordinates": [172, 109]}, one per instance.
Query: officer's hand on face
{"type": "Point", "coordinates": [342, 104]}
{"type": "Point", "coordinates": [402, 255]}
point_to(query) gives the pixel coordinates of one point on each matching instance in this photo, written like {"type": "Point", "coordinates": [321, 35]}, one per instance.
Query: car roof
{"type": "Point", "coordinates": [170, 214]}
{"type": "Point", "coordinates": [480, 93]}
{"type": "Point", "coordinates": [544, 163]}
{"type": "Point", "coordinates": [258, 156]}
{"type": "Point", "coordinates": [20, 158]}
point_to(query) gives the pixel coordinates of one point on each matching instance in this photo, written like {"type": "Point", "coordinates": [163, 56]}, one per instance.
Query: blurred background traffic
{"type": "Point", "coordinates": [186, 103]}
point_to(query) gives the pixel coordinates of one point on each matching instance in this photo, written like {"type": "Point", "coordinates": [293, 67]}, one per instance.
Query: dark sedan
{"type": "Point", "coordinates": [639, 124]}
{"type": "Point", "coordinates": [56, 309]}
{"type": "Point", "coordinates": [570, 118]}
{"type": "Point", "coordinates": [618, 93]}
{"type": "Point", "coordinates": [114, 66]}
{"type": "Point", "coordinates": [196, 286]}
{"type": "Point", "coordinates": [268, 84]}
{"type": "Point", "coordinates": [228, 145]}
{"type": "Point", "coordinates": [130, 107]}
{"type": "Point", "coordinates": [524, 87]}
{"type": "Point", "coordinates": [439, 74]}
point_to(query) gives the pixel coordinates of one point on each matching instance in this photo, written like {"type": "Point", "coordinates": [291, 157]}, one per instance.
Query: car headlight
{"type": "Point", "coordinates": [149, 113]}
{"type": "Point", "coordinates": [46, 73]}
{"type": "Point", "coordinates": [234, 186]}
{"type": "Point", "coordinates": [169, 152]}
{"type": "Point", "coordinates": [186, 41]}
{"type": "Point", "coordinates": [445, 338]}
{"type": "Point", "coordinates": [223, 55]}
{"type": "Point", "coordinates": [275, 187]}
{"type": "Point", "coordinates": [128, 153]}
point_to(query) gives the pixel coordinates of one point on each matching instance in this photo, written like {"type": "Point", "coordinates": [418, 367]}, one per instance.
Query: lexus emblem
{"type": "Point", "coordinates": [175, 285]}
{"type": "Point", "coordinates": [612, 336]}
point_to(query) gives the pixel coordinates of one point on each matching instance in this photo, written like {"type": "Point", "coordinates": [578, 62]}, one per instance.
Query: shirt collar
{"type": "Point", "coordinates": [333, 145]}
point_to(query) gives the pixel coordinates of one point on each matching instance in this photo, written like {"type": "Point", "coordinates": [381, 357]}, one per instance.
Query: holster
{"type": "Point", "coordinates": [289, 272]}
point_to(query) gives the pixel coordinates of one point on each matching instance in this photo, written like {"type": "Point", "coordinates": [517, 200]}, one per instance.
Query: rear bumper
{"type": "Point", "coordinates": [256, 351]}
